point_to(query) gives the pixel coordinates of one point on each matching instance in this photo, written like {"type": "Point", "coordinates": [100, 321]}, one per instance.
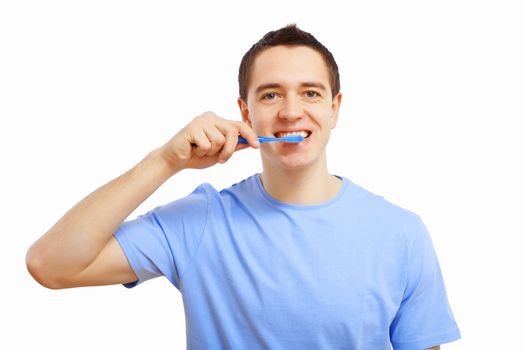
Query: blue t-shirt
{"type": "Point", "coordinates": [355, 272]}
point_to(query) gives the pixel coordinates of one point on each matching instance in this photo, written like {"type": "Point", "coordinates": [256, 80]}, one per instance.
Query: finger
{"type": "Point", "coordinates": [248, 133]}
{"type": "Point", "coordinates": [241, 146]}
{"type": "Point", "coordinates": [229, 145]}
{"type": "Point", "coordinates": [201, 142]}
{"type": "Point", "coordinates": [216, 139]}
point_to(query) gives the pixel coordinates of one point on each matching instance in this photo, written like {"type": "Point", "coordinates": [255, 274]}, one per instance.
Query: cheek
{"type": "Point", "coordinates": [324, 120]}
{"type": "Point", "coordinates": [261, 119]}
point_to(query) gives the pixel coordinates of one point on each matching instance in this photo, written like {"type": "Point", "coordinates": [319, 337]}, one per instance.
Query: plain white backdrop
{"type": "Point", "coordinates": [431, 119]}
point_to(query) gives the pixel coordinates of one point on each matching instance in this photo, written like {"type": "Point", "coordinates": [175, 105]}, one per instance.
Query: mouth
{"type": "Point", "coordinates": [303, 133]}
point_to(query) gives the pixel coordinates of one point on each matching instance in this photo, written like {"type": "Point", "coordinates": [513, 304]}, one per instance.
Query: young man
{"type": "Point", "coordinates": [293, 258]}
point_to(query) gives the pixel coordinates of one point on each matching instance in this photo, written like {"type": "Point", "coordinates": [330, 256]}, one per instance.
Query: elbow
{"type": "Point", "coordinates": [40, 271]}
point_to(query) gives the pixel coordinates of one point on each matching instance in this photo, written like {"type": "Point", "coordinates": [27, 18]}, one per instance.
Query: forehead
{"type": "Point", "coordinates": [288, 65]}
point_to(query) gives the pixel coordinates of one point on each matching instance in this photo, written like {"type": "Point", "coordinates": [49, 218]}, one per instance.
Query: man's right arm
{"type": "Point", "coordinates": [80, 249]}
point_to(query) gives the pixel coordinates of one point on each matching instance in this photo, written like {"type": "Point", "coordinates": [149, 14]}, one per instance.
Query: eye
{"type": "Point", "coordinates": [312, 94]}
{"type": "Point", "coordinates": [269, 96]}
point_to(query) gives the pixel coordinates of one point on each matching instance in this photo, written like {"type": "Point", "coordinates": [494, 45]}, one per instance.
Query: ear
{"type": "Point", "coordinates": [245, 112]}
{"type": "Point", "coordinates": [336, 104]}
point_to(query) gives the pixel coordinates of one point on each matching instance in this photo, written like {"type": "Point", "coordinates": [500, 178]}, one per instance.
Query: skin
{"type": "Point", "coordinates": [289, 90]}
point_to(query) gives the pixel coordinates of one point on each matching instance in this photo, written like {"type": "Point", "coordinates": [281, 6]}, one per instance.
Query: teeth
{"type": "Point", "coordinates": [284, 134]}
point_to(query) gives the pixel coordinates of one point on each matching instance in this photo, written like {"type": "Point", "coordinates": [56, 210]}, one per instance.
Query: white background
{"type": "Point", "coordinates": [431, 119]}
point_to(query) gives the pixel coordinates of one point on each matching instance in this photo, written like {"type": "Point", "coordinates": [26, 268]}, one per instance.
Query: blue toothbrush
{"type": "Point", "coordinates": [291, 138]}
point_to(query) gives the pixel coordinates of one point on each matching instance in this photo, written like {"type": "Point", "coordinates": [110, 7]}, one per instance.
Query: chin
{"type": "Point", "coordinates": [295, 162]}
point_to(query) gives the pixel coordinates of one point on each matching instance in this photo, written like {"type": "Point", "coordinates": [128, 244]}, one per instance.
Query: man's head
{"type": "Point", "coordinates": [289, 87]}
{"type": "Point", "coordinates": [286, 36]}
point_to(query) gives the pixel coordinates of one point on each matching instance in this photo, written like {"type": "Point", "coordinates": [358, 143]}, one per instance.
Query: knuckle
{"type": "Point", "coordinates": [208, 115]}
{"type": "Point", "coordinates": [190, 129]}
{"type": "Point", "coordinates": [205, 147]}
{"type": "Point", "coordinates": [203, 117]}
{"type": "Point", "coordinates": [233, 131]}
{"type": "Point", "coordinates": [221, 138]}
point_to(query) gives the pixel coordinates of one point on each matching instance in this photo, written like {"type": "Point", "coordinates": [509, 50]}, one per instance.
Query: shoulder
{"type": "Point", "coordinates": [375, 204]}
{"type": "Point", "coordinates": [206, 197]}
{"type": "Point", "coordinates": [384, 213]}
{"type": "Point", "coordinates": [193, 207]}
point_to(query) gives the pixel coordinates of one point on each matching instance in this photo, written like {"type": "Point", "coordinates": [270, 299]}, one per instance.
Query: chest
{"type": "Point", "coordinates": [315, 274]}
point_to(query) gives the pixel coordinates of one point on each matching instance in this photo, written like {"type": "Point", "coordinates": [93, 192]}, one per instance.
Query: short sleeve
{"type": "Point", "coordinates": [424, 318]}
{"type": "Point", "coordinates": [163, 241]}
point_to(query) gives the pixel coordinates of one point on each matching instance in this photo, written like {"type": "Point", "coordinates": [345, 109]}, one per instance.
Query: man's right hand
{"type": "Point", "coordinates": [207, 140]}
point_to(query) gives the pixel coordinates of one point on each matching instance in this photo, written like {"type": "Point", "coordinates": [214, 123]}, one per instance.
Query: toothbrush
{"type": "Point", "coordinates": [291, 138]}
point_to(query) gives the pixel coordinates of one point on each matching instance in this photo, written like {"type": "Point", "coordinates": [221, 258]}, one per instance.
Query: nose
{"type": "Point", "coordinates": [291, 108]}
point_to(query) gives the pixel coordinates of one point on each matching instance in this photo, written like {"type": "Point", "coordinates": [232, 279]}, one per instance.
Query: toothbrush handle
{"type": "Point", "coordinates": [242, 140]}
{"type": "Point", "coordinates": [261, 139]}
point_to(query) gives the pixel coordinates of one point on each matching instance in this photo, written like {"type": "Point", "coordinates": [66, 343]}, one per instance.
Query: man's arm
{"type": "Point", "coordinates": [80, 249]}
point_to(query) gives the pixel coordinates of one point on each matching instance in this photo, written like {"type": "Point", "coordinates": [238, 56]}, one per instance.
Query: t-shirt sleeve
{"type": "Point", "coordinates": [424, 318]}
{"type": "Point", "coordinates": [162, 242]}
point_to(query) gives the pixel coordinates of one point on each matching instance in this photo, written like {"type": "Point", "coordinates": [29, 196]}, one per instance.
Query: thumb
{"type": "Point", "coordinates": [241, 146]}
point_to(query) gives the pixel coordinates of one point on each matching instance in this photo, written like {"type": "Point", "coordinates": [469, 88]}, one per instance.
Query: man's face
{"type": "Point", "coordinates": [289, 91]}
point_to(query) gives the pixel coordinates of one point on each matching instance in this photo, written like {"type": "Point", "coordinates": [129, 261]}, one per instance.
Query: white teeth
{"type": "Point", "coordinates": [284, 134]}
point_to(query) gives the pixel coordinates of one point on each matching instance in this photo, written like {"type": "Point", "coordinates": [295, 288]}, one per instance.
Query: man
{"type": "Point", "coordinates": [292, 258]}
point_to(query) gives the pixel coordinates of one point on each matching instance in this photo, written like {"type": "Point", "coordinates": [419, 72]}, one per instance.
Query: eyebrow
{"type": "Point", "coordinates": [315, 84]}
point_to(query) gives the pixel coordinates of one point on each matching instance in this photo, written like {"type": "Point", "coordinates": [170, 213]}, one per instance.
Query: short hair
{"type": "Point", "coordinates": [289, 35]}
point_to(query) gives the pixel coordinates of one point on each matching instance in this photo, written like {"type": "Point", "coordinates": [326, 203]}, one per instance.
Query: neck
{"type": "Point", "coordinates": [308, 186]}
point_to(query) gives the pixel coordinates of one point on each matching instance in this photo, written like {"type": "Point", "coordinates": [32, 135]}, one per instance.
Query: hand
{"type": "Point", "coordinates": [207, 140]}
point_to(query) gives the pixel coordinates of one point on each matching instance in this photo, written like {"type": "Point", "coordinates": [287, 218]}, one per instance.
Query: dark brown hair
{"type": "Point", "coordinates": [290, 35]}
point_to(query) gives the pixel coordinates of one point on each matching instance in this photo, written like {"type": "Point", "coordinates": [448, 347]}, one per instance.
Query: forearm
{"type": "Point", "coordinates": [80, 235]}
